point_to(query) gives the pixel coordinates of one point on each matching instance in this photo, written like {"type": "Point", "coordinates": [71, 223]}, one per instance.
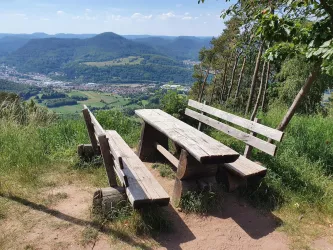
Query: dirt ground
{"type": "Point", "coordinates": [62, 224]}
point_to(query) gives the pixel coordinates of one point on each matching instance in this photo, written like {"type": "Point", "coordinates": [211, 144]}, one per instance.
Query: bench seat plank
{"type": "Point", "coordinates": [142, 186]}
{"type": "Point", "coordinates": [245, 167]}
{"type": "Point", "coordinates": [201, 146]}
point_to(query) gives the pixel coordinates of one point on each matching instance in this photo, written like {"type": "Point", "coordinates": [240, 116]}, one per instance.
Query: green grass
{"type": "Point", "coordinates": [131, 60]}
{"type": "Point", "coordinates": [96, 100]}
{"type": "Point", "coordinates": [165, 170]}
{"type": "Point", "coordinates": [200, 202]}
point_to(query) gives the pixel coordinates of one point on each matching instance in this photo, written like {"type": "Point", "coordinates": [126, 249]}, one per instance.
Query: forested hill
{"type": "Point", "coordinates": [181, 48]}
{"type": "Point", "coordinates": [109, 57]}
{"type": "Point", "coordinates": [50, 54]}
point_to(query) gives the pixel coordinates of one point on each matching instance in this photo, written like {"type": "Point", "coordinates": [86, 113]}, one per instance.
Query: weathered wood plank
{"type": "Point", "coordinates": [167, 155]}
{"type": "Point", "coordinates": [189, 168]}
{"type": "Point", "coordinates": [249, 148]}
{"type": "Point", "coordinates": [91, 129]}
{"type": "Point", "coordinates": [204, 148]}
{"type": "Point", "coordinates": [253, 126]}
{"type": "Point", "coordinates": [107, 160]}
{"type": "Point", "coordinates": [245, 167]}
{"type": "Point", "coordinates": [98, 128]}
{"type": "Point", "coordinates": [238, 134]}
{"type": "Point", "coordinates": [142, 186]}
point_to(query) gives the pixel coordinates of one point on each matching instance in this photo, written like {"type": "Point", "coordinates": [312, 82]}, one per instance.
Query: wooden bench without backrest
{"type": "Point", "coordinates": [242, 167]}
{"type": "Point", "coordinates": [118, 158]}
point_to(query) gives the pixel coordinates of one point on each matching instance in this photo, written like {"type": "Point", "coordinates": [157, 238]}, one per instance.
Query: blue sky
{"type": "Point", "coordinates": [152, 17]}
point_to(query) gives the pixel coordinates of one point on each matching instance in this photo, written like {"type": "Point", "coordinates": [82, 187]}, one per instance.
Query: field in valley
{"type": "Point", "coordinates": [131, 60]}
{"type": "Point", "coordinates": [96, 99]}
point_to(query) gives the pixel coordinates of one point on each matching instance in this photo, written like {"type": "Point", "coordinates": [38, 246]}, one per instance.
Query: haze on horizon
{"type": "Point", "coordinates": [126, 17]}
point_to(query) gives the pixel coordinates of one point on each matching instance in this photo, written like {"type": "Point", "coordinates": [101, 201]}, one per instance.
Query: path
{"type": "Point", "coordinates": [61, 226]}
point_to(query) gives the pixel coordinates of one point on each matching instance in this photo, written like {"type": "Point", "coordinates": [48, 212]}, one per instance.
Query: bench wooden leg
{"type": "Point", "coordinates": [91, 131]}
{"type": "Point", "coordinates": [149, 137]}
{"type": "Point", "coordinates": [107, 160]}
{"type": "Point", "coordinates": [231, 180]}
{"type": "Point", "coordinates": [191, 175]}
{"type": "Point", "coordinates": [180, 188]}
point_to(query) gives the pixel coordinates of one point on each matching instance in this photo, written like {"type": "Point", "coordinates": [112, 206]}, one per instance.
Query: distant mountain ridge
{"type": "Point", "coordinates": [79, 57]}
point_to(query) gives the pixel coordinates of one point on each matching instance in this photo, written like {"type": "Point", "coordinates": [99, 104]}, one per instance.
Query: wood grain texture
{"type": "Point", "coordinates": [201, 146]}
{"type": "Point", "coordinates": [190, 168]}
{"type": "Point", "coordinates": [167, 155]}
{"type": "Point", "coordinates": [245, 167]}
{"type": "Point", "coordinates": [242, 122]}
{"type": "Point", "coordinates": [91, 130]}
{"type": "Point", "coordinates": [142, 187]}
{"type": "Point", "coordinates": [249, 148]}
{"type": "Point", "coordinates": [147, 148]}
{"type": "Point", "coordinates": [238, 134]}
{"type": "Point", "coordinates": [107, 160]}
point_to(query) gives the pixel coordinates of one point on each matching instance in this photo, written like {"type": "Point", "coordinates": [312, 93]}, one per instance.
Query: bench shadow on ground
{"type": "Point", "coordinates": [256, 223]}
{"type": "Point", "coordinates": [174, 218]}
{"type": "Point", "coordinates": [84, 223]}
{"type": "Point", "coordinates": [179, 233]}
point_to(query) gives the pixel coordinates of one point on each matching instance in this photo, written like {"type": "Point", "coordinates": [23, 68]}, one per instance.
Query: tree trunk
{"type": "Point", "coordinates": [303, 92]}
{"type": "Point", "coordinates": [203, 87]}
{"type": "Point", "coordinates": [224, 87]}
{"type": "Point", "coordinates": [224, 79]}
{"type": "Point", "coordinates": [254, 78]}
{"type": "Point", "coordinates": [213, 90]}
{"type": "Point", "coordinates": [240, 77]}
{"type": "Point", "coordinates": [233, 76]}
{"type": "Point", "coordinates": [255, 109]}
{"type": "Point", "coordinates": [265, 88]}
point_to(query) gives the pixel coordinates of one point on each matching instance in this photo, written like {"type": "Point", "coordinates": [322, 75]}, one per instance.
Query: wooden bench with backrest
{"type": "Point", "coordinates": [141, 187]}
{"type": "Point", "coordinates": [243, 167]}
{"type": "Point", "coordinates": [200, 154]}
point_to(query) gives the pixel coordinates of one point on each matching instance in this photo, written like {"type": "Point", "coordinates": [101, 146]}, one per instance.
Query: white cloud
{"type": "Point", "coordinates": [196, 18]}
{"type": "Point", "coordinates": [76, 17]}
{"type": "Point", "coordinates": [88, 10]}
{"type": "Point", "coordinates": [20, 15]}
{"type": "Point", "coordinates": [139, 16]}
{"type": "Point", "coordinates": [60, 12]}
{"type": "Point", "coordinates": [166, 16]}
{"type": "Point", "coordinates": [187, 18]}
{"type": "Point", "coordinates": [116, 17]}
{"type": "Point", "coordinates": [44, 19]}
{"type": "Point", "coordinates": [186, 14]}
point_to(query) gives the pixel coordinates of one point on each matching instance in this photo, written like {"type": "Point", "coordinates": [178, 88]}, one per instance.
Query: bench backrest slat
{"type": "Point", "coordinates": [238, 134]}
{"type": "Point", "coordinates": [242, 122]}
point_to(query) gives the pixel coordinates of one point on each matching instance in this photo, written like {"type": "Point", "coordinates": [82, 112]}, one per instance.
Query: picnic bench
{"type": "Point", "coordinates": [119, 160]}
{"type": "Point", "coordinates": [202, 157]}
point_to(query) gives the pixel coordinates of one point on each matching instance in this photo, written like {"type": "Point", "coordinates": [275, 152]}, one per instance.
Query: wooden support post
{"type": "Point", "coordinates": [107, 160]}
{"type": "Point", "coordinates": [190, 168]}
{"type": "Point", "coordinates": [107, 198]}
{"type": "Point", "coordinates": [91, 131]}
{"type": "Point", "coordinates": [248, 148]}
{"type": "Point", "coordinates": [199, 125]}
{"type": "Point", "coordinates": [189, 173]}
{"type": "Point", "coordinates": [149, 137]}
{"type": "Point", "coordinates": [180, 188]}
{"type": "Point", "coordinates": [229, 179]}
